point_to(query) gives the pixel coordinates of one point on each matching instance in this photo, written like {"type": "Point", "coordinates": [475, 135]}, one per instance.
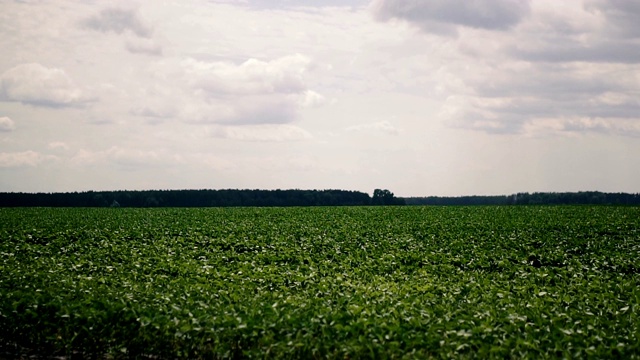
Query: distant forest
{"type": "Point", "coordinates": [199, 198]}
{"type": "Point", "coordinates": [538, 198]}
{"type": "Point", "coordinates": [262, 198]}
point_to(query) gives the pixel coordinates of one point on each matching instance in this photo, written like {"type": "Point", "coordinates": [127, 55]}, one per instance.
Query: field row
{"type": "Point", "coordinates": [321, 282]}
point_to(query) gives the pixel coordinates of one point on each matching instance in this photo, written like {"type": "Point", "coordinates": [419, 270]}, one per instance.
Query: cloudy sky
{"type": "Point", "coordinates": [422, 97]}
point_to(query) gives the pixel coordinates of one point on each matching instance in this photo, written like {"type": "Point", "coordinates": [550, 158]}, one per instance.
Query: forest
{"type": "Point", "coordinates": [199, 198]}
{"type": "Point", "coordinates": [296, 197]}
{"type": "Point", "coordinates": [537, 198]}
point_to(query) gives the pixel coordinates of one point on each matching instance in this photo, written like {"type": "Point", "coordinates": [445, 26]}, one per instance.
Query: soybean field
{"type": "Point", "coordinates": [320, 282]}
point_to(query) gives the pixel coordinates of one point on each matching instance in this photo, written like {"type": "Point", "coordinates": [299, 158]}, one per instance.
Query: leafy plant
{"type": "Point", "coordinates": [490, 282]}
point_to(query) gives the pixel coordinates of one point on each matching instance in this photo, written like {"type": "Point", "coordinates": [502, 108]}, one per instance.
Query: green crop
{"type": "Point", "coordinates": [348, 282]}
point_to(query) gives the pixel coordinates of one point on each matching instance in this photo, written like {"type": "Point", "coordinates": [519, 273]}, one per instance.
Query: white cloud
{"type": "Point", "coordinates": [312, 98]}
{"type": "Point", "coordinates": [84, 157]}
{"type": "Point", "coordinates": [384, 127]}
{"type": "Point", "coordinates": [118, 21]}
{"type": "Point", "coordinates": [127, 157]}
{"type": "Point", "coordinates": [21, 159]}
{"type": "Point", "coordinates": [224, 92]}
{"type": "Point", "coordinates": [252, 92]}
{"type": "Point", "coordinates": [6, 124]}
{"type": "Point", "coordinates": [282, 76]}
{"type": "Point", "coordinates": [38, 85]}
{"type": "Point", "coordinates": [263, 133]}
{"type": "Point", "coordinates": [58, 145]}
{"type": "Point", "coordinates": [581, 125]}
{"type": "Point", "coordinates": [133, 157]}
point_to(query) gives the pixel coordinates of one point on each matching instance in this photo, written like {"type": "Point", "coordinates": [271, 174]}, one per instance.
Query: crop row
{"type": "Point", "coordinates": [321, 282]}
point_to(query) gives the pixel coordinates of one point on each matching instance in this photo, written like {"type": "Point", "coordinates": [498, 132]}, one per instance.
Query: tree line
{"type": "Point", "coordinates": [537, 198]}
{"type": "Point", "coordinates": [199, 198]}
{"type": "Point", "coordinates": [261, 198]}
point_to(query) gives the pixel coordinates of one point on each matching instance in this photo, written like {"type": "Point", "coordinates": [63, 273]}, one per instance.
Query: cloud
{"type": "Point", "coordinates": [250, 93]}
{"type": "Point", "coordinates": [599, 31]}
{"type": "Point", "coordinates": [159, 101]}
{"type": "Point", "coordinates": [118, 21]}
{"type": "Point", "coordinates": [572, 126]}
{"type": "Point", "coordinates": [125, 157]}
{"type": "Point", "coordinates": [262, 109]}
{"type": "Point", "coordinates": [58, 145]}
{"type": "Point", "coordinates": [143, 46]}
{"type": "Point", "coordinates": [133, 157]}
{"type": "Point", "coordinates": [38, 85]}
{"type": "Point", "coordinates": [571, 100]}
{"type": "Point", "coordinates": [312, 98]}
{"type": "Point", "coordinates": [506, 100]}
{"type": "Point", "coordinates": [283, 75]}
{"type": "Point", "coordinates": [381, 127]}
{"type": "Point", "coordinates": [156, 113]}
{"type": "Point", "coordinates": [621, 16]}
{"type": "Point", "coordinates": [299, 4]}
{"type": "Point", "coordinates": [262, 133]}
{"type": "Point", "coordinates": [21, 159]}
{"type": "Point", "coordinates": [443, 16]}
{"type": "Point", "coordinates": [285, 163]}
{"type": "Point", "coordinates": [613, 51]}
{"type": "Point", "coordinates": [564, 68]}
{"type": "Point", "coordinates": [242, 110]}
{"type": "Point", "coordinates": [208, 161]}
{"type": "Point", "coordinates": [6, 124]}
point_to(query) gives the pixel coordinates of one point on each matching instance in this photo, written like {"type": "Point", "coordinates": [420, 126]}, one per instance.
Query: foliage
{"type": "Point", "coordinates": [347, 282]}
{"type": "Point", "coordinates": [385, 197]}
{"type": "Point", "coordinates": [538, 198]}
{"type": "Point", "coordinates": [187, 198]}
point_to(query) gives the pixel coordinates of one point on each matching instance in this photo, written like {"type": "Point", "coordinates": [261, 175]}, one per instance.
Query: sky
{"type": "Point", "coordinates": [421, 97]}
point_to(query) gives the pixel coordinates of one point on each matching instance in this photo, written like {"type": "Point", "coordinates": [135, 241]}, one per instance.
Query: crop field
{"type": "Point", "coordinates": [322, 282]}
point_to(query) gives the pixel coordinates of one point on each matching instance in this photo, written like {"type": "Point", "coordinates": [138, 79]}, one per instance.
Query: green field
{"type": "Point", "coordinates": [336, 282]}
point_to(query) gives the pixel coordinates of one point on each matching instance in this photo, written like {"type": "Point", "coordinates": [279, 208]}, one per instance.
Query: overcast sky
{"type": "Point", "coordinates": [442, 97]}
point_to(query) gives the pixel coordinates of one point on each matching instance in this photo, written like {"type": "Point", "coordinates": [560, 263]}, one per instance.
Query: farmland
{"type": "Point", "coordinates": [337, 282]}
